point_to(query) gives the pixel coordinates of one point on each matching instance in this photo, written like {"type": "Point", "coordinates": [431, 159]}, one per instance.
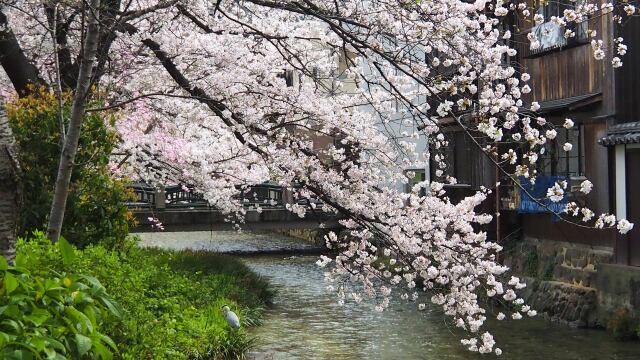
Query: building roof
{"type": "Point", "coordinates": [569, 103]}
{"type": "Point", "coordinates": [625, 133]}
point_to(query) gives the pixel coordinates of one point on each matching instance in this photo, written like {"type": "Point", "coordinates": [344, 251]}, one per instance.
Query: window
{"type": "Point", "coordinates": [556, 161]}
{"type": "Point", "coordinates": [419, 175]}
{"type": "Point", "coordinates": [458, 157]}
{"type": "Point", "coordinates": [288, 76]}
{"type": "Point", "coordinates": [345, 61]}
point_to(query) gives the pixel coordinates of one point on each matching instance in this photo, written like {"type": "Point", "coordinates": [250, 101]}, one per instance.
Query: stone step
{"type": "Point", "coordinates": [566, 303]}
{"type": "Point", "coordinates": [574, 275]}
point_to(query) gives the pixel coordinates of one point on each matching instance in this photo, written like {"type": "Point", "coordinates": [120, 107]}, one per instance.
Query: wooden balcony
{"type": "Point", "coordinates": [552, 39]}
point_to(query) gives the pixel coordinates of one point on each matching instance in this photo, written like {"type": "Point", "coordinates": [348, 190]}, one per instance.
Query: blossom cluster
{"type": "Point", "coordinates": [226, 95]}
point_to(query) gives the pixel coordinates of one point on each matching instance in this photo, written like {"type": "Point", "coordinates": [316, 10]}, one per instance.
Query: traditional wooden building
{"type": "Point", "coordinates": [623, 144]}
{"type": "Point", "coordinates": [568, 82]}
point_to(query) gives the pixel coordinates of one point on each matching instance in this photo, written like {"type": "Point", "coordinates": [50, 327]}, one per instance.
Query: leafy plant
{"type": "Point", "coordinates": [57, 316]}
{"type": "Point", "coordinates": [171, 301]}
{"type": "Point", "coordinates": [531, 263]}
{"type": "Point", "coordinates": [622, 325]}
{"type": "Point", "coordinates": [549, 266]}
{"type": "Point", "coordinates": [95, 207]}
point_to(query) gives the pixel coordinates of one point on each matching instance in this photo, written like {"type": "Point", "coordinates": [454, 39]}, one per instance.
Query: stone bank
{"type": "Point", "coordinates": [574, 283]}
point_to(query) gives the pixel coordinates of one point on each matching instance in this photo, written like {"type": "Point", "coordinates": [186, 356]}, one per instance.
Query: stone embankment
{"type": "Point", "coordinates": [574, 284]}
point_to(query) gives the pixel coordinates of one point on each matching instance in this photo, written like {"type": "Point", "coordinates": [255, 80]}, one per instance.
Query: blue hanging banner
{"type": "Point", "coordinates": [539, 191]}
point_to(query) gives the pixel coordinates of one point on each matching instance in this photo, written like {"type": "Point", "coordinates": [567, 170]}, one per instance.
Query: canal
{"type": "Point", "coordinates": [305, 321]}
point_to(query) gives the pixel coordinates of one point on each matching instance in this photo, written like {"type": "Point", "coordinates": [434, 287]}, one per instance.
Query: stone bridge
{"type": "Point", "coordinates": [179, 207]}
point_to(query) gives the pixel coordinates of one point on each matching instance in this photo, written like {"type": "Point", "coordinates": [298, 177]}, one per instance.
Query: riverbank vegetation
{"type": "Point", "coordinates": [623, 325]}
{"type": "Point", "coordinates": [161, 304]}
{"type": "Point", "coordinates": [95, 209]}
{"type": "Point", "coordinates": [100, 296]}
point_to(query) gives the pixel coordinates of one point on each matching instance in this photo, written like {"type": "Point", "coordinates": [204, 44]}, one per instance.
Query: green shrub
{"type": "Point", "coordinates": [171, 301]}
{"type": "Point", "coordinates": [622, 325]}
{"type": "Point", "coordinates": [53, 315]}
{"type": "Point", "coordinates": [95, 207]}
{"type": "Point", "coordinates": [531, 263]}
{"type": "Point", "coordinates": [549, 267]}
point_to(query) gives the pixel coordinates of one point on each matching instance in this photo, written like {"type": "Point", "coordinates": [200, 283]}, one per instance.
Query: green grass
{"type": "Point", "coordinates": [171, 300]}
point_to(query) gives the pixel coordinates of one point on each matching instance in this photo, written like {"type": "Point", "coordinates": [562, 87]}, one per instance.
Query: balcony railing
{"type": "Point", "coordinates": [551, 37]}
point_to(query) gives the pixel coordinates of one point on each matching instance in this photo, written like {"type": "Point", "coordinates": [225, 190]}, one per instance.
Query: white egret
{"type": "Point", "coordinates": [231, 318]}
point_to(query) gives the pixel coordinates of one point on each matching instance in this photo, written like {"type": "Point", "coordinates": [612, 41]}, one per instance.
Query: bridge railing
{"type": "Point", "coordinates": [181, 196]}
{"type": "Point", "coordinates": [145, 196]}
{"type": "Point", "coordinates": [263, 195]}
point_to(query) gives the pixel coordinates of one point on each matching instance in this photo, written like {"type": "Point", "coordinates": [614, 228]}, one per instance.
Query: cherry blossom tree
{"type": "Point", "coordinates": [229, 94]}
{"type": "Point", "coordinates": [10, 196]}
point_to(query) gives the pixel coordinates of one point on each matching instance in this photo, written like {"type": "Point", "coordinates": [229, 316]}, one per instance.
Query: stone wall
{"type": "Point", "coordinates": [618, 288]}
{"type": "Point", "coordinates": [568, 304]}
{"type": "Point", "coordinates": [561, 278]}
{"type": "Point", "coordinates": [211, 218]}
{"type": "Point", "coordinates": [313, 236]}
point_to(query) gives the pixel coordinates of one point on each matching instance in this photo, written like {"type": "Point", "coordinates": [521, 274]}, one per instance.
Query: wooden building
{"type": "Point", "coordinates": [568, 82]}
{"type": "Point", "coordinates": [623, 144]}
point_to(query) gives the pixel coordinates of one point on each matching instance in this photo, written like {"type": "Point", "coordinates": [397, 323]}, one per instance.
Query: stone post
{"type": "Point", "coordinates": [160, 198]}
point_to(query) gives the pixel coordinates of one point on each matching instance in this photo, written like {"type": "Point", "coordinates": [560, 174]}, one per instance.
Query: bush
{"type": "Point", "coordinates": [622, 325]}
{"type": "Point", "coordinates": [171, 301]}
{"type": "Point", "coordinates": [53, 316]}
{"type": "Point", "coordinates": [531, 263]}
{"type": "Point", "coordinates": [95, 207]}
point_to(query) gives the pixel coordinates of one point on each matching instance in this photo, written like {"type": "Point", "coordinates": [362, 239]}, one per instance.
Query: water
{"type": "Point", "coordinates": [306, 322]}
{"type": "Point", "coordinates": [232, 242]}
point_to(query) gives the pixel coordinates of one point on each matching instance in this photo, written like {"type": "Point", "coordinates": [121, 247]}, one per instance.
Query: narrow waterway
{"type": "Point", "coordinates": [307, 323]}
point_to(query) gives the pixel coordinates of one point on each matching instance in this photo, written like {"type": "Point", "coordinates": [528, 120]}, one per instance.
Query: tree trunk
{"type": "Point", "coordinates": [9, 190]}
{"type": "Point", "coordinates": [21, 72]}
{"type": "Point", "coordinates": [56, 216]}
